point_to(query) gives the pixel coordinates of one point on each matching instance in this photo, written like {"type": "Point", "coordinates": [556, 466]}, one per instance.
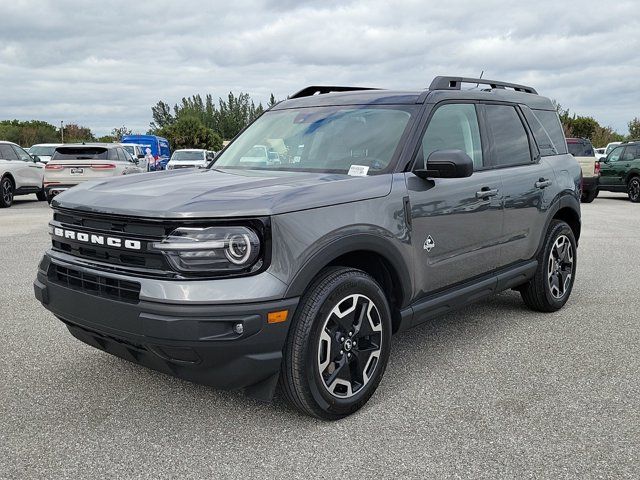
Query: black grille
{"type": "Point", "coordinates": [98, 285]}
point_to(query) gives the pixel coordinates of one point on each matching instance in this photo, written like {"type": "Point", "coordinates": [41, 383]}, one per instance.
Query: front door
{"type": "Point", "coordinates": [457, 222]}
{"type": "Point", "coordinates": [613, 170]}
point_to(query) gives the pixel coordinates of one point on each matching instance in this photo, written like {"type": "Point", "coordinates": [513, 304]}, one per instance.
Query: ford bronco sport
{"type": "Point", "coordinates": [620, 170]}
{"type": "Point", "coordinates": [383, 210]}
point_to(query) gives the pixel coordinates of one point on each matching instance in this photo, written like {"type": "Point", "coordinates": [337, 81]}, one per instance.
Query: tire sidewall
{"type": "Point", "coordinates": [558, 229]}
{"type": "Point", "coordinates": [2, 184]}
{"type": "Point", "coordinates": [357, 284]}
{"type": "Point", "coordinates": [636, 181]}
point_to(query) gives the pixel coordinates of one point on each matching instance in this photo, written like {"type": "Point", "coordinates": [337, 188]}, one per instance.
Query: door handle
{"type": "Point", "coordinates": [543, 183]}
{"type": "Point", "coordinates": [487, 192]}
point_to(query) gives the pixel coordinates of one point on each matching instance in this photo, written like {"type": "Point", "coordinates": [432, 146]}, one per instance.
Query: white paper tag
{"type": "Point", "coordinates": [358, 171]}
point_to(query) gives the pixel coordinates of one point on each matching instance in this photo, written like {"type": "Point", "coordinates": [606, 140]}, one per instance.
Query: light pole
{"type": "Point", "coordinates": [62, 130]}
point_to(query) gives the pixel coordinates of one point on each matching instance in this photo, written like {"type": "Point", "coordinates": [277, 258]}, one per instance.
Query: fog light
{"type": "Point", "coordinates": [238, 328]}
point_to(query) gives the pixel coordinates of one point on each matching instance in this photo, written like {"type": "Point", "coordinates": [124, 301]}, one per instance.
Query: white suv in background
{"type": "Point", "coordinates": [20, 174]}
{"type": "Point", "coordinates": [137, 153]}
{"type": "Point", "coordinates": [189, 158]}
{"type": "Point", "coordinates": [43, 151]}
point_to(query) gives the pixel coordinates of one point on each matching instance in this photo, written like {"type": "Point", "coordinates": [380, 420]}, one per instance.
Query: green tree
{"type": "Point", "coordinates": [583, 127]}
{"type": "Point", "coordinates": [190, 132]}
{"type": "Point", "coordinates": [27, 133]}
{"type": "Point", "coordinates": [118, 132]}
{"type": "Point", "coordinates": [108, 139]}
{"type": "Point", "coordinates": [634, 129]}
{"type": "Point", "coordinates": [74, 133]}
{"type": "Point", "coordinates": [604, 135]}
{"type": "Point", "coordinates": [272, 101]}
{"type": "Point", "coordinates": [162, 116]}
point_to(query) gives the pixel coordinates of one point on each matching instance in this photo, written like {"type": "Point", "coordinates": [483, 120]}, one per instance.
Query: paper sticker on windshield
{"type": "Point", "coordinates": [358, 171]}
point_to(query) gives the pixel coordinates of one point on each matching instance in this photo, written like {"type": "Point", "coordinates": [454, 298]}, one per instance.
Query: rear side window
{"type": "Point", "coordinates": [545, 145]}
{"type": "Point", "coordinates": [454, 126]}
{"type": "Point", "coordinates": [551, 123]}
{"type": "Point", "coordinates": [508, 137]}
{"type": "Point", "coordinates": [7, 153]}
{"type": "Point", "coordinates": [80, 153]}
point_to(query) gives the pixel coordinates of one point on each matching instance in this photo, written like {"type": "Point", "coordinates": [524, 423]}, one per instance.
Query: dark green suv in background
{"type": "Point", "coordinates": [620, 170]}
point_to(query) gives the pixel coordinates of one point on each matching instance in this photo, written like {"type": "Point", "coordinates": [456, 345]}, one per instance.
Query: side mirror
{"type": "Point", "coordinates": [446, 164]}
{"type": "Point", "coordinates": [36, 159]}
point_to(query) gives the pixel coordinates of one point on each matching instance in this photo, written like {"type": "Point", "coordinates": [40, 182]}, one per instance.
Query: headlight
{"type": "Point", "coordinates": [211, 249]}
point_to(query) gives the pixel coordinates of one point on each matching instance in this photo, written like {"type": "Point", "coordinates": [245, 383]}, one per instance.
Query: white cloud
{"type": "Point", "coordinates": [106, 64]}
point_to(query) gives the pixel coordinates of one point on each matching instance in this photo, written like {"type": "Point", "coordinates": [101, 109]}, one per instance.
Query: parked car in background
{"type": "Point", "coordinates": [20, 174]}
{"type": "Point", "coordinates": [43, 151]}
{"type": "Point", "coordinates": [72, 164]}
{"type": "Point", "coordinates": [159, 148]}
{"type": "Point", "coordinates": [620, 170]}
{"type": "Point", "coordinates": [136, 152]}
{"type": "Point", "coordinates": [600, 153]}
{"type": "Point", "coordinates": [584, 153]}
{"type": "Point", "coordinates": [189, 158]}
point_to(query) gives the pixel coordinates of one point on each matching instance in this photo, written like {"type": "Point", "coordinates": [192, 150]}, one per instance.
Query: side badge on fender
{"type": "Point", "coordinates": [429, 244]}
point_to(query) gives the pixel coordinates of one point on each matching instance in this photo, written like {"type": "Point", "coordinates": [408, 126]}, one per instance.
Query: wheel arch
{"type": "Point", "coordinates": [567, 209]}
{"type": "Point", "coordinates": [374, 255]}
{"type": "Point", "coordinates": [634, 172]}
{"type": "Point", "coordinates": [13, 180]}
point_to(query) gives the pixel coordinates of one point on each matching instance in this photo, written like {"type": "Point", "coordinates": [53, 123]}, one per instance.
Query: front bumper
{"type": "Point", "coordinates": [191, 340]}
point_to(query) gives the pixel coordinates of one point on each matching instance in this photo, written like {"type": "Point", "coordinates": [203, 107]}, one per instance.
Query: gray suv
{"type": "Point", "coordinates": [372, 211]}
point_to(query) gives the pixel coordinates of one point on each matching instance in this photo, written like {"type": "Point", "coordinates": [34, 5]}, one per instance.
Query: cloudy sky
{"type": "Point", "coordinates": [104, 64]}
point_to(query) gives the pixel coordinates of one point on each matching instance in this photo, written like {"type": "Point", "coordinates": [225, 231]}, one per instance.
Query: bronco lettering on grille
{"type": "Point", "coordinates": [97, 239]}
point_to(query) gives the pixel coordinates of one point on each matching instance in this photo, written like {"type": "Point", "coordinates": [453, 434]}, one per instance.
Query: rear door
{"type": "Point", "coordinates": [456, 222]}
{"type": "Point", "coordinates": [10, 162]}
{"type": "Point", "coordinates": [526, 181]}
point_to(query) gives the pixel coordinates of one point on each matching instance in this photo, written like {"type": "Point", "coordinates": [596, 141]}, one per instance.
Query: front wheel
{"type": "Point", "coordinates": [338, 346]}
{"type": "Point", "coordinates": [633, 189]}
{"type": "Point", "coordinates": [551, 286]}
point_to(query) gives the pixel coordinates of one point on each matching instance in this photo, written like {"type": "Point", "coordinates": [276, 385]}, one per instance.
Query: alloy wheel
{"type": "Point", "coordinates": [560, 267]}
{"type": "Point", "coordinates": [634, 189]}
{"type": "Point", "coordinates": [7, 191]}
{"type": "Point", "coordinates": [350, 346]}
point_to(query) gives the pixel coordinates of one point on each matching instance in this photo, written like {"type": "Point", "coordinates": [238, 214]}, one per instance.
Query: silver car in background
{"type": "Point", "coordinates": [43, 151]}
{"type": "Point", "coordinates": [72, 164]}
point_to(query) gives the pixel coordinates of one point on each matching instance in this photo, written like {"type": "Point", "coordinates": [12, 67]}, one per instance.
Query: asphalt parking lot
{"type": "Point", "coordinates": [492, 391]}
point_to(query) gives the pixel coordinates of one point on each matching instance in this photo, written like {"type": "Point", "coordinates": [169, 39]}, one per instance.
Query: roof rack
{"type": "Point", "coordinates": [454, 83]}
{"type": "Point", "coordinates": [319, 90]}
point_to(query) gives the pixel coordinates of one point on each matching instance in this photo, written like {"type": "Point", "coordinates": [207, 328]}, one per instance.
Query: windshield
{"type": "Point", "coordinates": [323, 139]}
{"type": "Point", "coordinates": [42, 151]}
{"type": "Point", "coordinates": [611, 147]}
{"type": "Point", "coordinates": [80, 153]}
{"type": "Point", "coordinates": [186, 155]}
{"type": "Point", "coordinates": [581, 149]}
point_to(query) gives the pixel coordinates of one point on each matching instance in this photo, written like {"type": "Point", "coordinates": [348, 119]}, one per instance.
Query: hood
{"type": "Point", "coordinates": [220, 193]}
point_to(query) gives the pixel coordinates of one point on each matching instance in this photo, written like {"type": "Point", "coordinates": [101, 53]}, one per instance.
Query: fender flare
{"type": "Point", "coordinates": [382, 246]}
{"type": "Point", "coordinates": [565, 200]}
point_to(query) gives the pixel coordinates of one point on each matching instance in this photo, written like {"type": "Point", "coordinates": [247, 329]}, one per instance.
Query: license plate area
{"type": "Point", "coordinates": [77, 171]}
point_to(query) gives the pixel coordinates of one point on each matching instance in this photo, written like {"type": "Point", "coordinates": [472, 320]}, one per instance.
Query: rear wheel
{"type": "Point", "coordinates": [589, 196]}
{"type": "Point", "coordinates": [41, 196]}
{"type": "Point", "coordinates": [6, 192]}
{"type": "Point", "coordinates": [338, 345]}
{"type": "Point", "coordinates": [552, 283]}
{"type": "Point", "coordinates": [633, 189]}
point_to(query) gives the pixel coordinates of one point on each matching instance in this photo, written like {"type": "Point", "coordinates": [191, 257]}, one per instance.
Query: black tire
{"type": "Point", "coordinates": [42, 196]}
{"type": "Point", "coordinates": [318, 354]}
{"type": "Point", "coordinates": [633, 189]}
{"type": "Point", "coordinates": [589, 196]}
{"type": "Point", "coordinates": [549, 289]}
{"type": "Point", "coordinates": [7, 189]}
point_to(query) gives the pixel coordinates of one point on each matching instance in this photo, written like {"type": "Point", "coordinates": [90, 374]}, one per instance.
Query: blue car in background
{"type": "Point", "coordinates": [159, 146]}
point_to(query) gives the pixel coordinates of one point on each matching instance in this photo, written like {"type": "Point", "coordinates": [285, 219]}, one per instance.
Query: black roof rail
{"type": "Point", "coordinates": [319, 90]}
{"type": "Point", "coordinates": [454, 83]}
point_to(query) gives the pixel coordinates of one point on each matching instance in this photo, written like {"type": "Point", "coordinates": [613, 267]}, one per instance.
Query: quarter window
{"type": "Point", "coordinates": [509, 140]}
{"type": "Point", "coordinates": [551, 123]}
{"type": "Point", "coordinates": [454, 127]}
